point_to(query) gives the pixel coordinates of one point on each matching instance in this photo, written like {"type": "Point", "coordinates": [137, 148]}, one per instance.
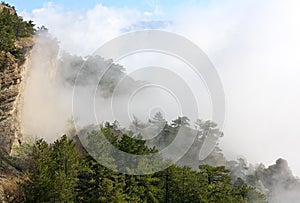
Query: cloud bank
{"type": "Point", "coordinates": [253, 44]}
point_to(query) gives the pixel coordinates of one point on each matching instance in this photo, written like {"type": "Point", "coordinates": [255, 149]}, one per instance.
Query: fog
{"type": "Point", "coordinates": [47, 105]}
{"type": "Point", "coordinates": [254, 46]}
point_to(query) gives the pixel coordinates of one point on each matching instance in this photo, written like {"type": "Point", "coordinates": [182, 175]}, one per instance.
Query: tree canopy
{"type": "Point", "coordinates": [60, 172]}
{"type": "Point", "coordinates": [12, 29]}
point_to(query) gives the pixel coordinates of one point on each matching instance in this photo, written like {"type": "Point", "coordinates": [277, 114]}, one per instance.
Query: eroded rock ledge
{"type": "Point", "coordinates": [12, 75]}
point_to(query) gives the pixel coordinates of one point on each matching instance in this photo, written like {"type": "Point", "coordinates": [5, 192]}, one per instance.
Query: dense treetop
{"type": "Point", "coordinates": [12, 29]}
{"type": "Point", "coordinates": [61, 172]}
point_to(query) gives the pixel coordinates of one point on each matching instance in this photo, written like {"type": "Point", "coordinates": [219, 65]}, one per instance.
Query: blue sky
{"type": "Point", "coordinates": [142, 5]}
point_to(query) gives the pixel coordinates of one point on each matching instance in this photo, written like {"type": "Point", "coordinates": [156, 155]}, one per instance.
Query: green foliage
{"type": "Point", "coordinates": [215, 174]}
{"type": "Point", "coordinates": [66, 169]}
{"type": "Point", "coordinates": [248, 193]}
{"type": "Point", "coordinates": [12, 28]}
{"type": "Point", "coordinates": [99, 184]}
{"type": "Point", "coordinates": [98, 148]}
{"type": "Point", "coordinates": [59, 174]}
{"type": "Point", "coordinates": [54, 172]}
{"type": "Point", "coordinates": [21, 156]}
{"type": "Point", "coordinates": [218, 184]}
{"type": "Point", "coordinates": [39, 186]}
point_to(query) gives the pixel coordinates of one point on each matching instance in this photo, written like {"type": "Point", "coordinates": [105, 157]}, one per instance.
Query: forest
{"type": "Point", "coordinates": [64, 172]}
{"type": "Point", "coordinates": [67, 171]}
{"type": "Point", "coordinates": [13, 29]}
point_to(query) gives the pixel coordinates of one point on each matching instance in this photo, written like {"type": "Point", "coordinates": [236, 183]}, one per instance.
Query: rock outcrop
{"type": "Point", "coordinates": [10, 179]}
{"type": "Point", "coordinates": [12, 74]}
{"type": "Point", "coordinates": [11, 10]}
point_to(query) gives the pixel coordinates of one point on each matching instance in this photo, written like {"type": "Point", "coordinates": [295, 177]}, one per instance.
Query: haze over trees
{"type": "Point", "coordinates": [63, 171]}
{"type": "Point", "coordinates": [60, 172]}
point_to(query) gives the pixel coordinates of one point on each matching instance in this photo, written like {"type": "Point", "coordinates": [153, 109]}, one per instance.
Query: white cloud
{"type": "Point", "coordinates": [254, 46]}
{"type": "Point", "coordinates": [82, 32]}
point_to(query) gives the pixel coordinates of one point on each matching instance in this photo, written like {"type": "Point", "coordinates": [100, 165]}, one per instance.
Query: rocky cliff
{"type": "Point", "coordinates": [12, 74]}
{"type": "Point", "coordinates": [5, 7]}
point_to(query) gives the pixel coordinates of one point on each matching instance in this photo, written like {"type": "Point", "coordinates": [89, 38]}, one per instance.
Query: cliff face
{"type": "Point", "coordinates": [11, 10]}
{"type": "Point", "coordinates": [12, 74]}
{"type": "Point", "coordinates": [10, 179]}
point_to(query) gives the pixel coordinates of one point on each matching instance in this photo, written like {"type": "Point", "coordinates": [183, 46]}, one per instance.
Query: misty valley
{"type": "Point", "coordinates": [77, 128]}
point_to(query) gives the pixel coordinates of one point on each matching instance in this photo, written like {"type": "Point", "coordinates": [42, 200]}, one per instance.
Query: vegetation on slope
{"type": "Point", "coordinates": [60, 172]}
{"type": "Point", "coordinates": [63, 172]}
{"type": "Point", "coordinates": [12, 29]}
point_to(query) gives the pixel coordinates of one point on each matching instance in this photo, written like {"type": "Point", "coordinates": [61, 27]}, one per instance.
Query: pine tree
{"type": "Point", "coordinates": [39, 186]}
{"type": "Point", "coordinates": [66, 169]}
{"type": "Point", "coordinates": [99, 184]}
{"type": "Point", "coordinates": [53, 176]}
